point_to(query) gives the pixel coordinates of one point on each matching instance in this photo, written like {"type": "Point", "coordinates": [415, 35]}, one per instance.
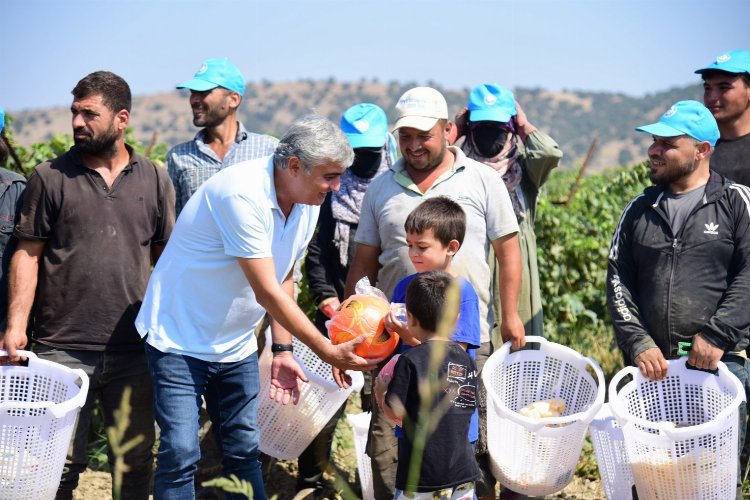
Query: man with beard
{"type": "Point", "coordinates": [216, 92]}
{"type": "Point", "coordinates": [93, 222]}
{"type": "Point", "coordinates": [679, 264]}
{"type": "Point", "coordinates": [726, 93]}
{"type": "Point", "coordinates": [430, 167]}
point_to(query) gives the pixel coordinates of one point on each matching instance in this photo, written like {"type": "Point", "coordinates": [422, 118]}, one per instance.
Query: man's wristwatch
{"type": "Point", "coordinates": [282, 347]}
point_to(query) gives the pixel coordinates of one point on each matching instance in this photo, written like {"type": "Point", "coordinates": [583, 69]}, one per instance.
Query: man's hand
{"type": "Point", "coordinates": [461, 128]}
{"type": "Point", "coordinates": [343, 356]}
{"type": "Point", "coordinates": [342, 378]}
{"type": "Point", "coordinates": [652, 364]}
{"type": "Point", "coordinates": [522, 123]}
{"type": "Point", "coordinates": [511, 329]}
{"type": "Point", "coordinates": [704, 355]}
{"type": "Point", "coordinates": [329, 306]}
{"type": "Point", "coordinates": [11, 341]}
{"type": "Point", "coordinates": [284, 374]}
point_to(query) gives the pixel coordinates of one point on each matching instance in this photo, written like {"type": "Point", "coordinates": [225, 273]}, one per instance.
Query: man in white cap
{"type": "Point", "coordinates": [678, 273]}
{"type": "Point", "coordinates": [430, 167]}
{"type": "Point", "coordinates": [216, 92]}
{"type": "Point", "coordinates": [726, 93]}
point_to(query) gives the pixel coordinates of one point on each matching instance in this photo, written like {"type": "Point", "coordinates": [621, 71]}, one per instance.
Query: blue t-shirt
{"type": "Point", "coordinates": [467, 330]}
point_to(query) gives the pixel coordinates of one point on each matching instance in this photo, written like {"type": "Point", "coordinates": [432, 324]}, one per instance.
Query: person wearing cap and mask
{"type": "Point", "coordinates": [332, 249]}
{"type": "Point", "coordinates": [11, 198]}
{"type": "Point", "coordinates": [430, 167]}
{"type": "Point", "coordinates": [216, 91]}
{"type": "Point", "coordinates": [726, 93]}
{"type": "Point", "coordinates": [496, 132]}
{"type": "Point", "coordinates": [695, 218]}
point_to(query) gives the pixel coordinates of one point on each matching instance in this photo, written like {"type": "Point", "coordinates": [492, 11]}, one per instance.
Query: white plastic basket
{"type": "Point", "coordinates": [697, 461]}
{"type": "Point", "coordinates": [286, 430]}
{"type": "Point", "coordinates": [538, 457]}
{"type": "Point", "coordinates": [360, 423]}
{"type": "Point", "coordinates": [38, 408]}
{"type": "Point", "coordinates": [609, 447]}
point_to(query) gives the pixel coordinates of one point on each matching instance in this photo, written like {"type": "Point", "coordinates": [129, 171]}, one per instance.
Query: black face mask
{"type": "Point", "coordinates": [488, 140]}
{"type": "Point", "coordinates": [366, 162]}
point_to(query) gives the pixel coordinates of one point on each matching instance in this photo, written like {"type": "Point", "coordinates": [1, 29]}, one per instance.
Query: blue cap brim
{"type": "Point", "coordinates": [197, 84]}
{"type": "Point", "coordinates": [364, 141]}
{"type": "Point", "coordinates": [726, 68]}
{"type": "Point", "coordinates": [489, 115]}
{"type": "Point", "coordinates": [661, 130]}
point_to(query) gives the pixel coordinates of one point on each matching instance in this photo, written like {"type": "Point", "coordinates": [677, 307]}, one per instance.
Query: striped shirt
{"type": "Point", "coordinates": [191, 163]}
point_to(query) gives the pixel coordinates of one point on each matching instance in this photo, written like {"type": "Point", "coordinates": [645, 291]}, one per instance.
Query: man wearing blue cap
{"type": "Point", "coordinates": [679, 263]}
{"type": "Point", "coordinates": [332, 249]}
{"type": "Point", "coordinates": [11, 197]}
{"type": "Point", "coordinates": [216, 92]}
{"type": "Point", "coordinates": [726, 93]}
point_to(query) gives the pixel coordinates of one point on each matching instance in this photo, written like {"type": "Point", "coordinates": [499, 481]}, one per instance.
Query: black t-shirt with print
{"type": "Point", "coordinates": [448, 458]}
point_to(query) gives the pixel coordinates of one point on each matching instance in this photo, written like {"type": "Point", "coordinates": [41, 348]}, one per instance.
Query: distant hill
{"type": "Point", "coordinates": [573, 118]}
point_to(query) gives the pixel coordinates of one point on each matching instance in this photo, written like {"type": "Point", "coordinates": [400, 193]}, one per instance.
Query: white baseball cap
{"type": "Point", "coordinates": [421, 108]}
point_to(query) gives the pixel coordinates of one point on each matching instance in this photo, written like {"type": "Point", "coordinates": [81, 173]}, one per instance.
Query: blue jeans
{"type": "Point", "coordinates": [109, 374]}
{"type": "Point", "coordinates": [231, 393]}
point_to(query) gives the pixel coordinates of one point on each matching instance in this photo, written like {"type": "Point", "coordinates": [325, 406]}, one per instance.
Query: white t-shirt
{"type": "Point", "coordinates": [198, 302]}
{"type": "Point", "coordinates": [489, 216]}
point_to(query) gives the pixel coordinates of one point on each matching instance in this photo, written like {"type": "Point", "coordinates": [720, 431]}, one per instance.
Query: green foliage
{"type": "Point", "coordinates": [573, 245]}
{"type": "Point", "coordinates": [35, 154]}
{"type": "Point", "coordinates": [231, 484]}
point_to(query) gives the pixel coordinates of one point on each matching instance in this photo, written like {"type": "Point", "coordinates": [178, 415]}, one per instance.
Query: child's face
{"type": "Point", "coordinates": [427, 253]}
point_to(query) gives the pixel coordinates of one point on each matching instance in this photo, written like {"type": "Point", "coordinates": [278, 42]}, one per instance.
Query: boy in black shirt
{"type": "Point", "coordinates": [433, 391]}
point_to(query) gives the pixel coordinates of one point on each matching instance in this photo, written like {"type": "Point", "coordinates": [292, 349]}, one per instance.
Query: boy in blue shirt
{"type": "Point", "coordinates": [435, 230]}
{"type": "Point", "coordinates": [433, 391]}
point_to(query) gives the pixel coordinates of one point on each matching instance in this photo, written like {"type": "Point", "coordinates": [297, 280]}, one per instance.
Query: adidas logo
{"type": "Point", "coordinates": [711, 228]}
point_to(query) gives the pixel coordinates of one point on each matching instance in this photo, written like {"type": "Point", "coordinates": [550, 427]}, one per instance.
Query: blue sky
{"type": "Point", "coordinates": [630, 46]}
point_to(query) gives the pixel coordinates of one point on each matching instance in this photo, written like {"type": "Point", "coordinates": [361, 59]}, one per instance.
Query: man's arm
{"type": "Point", "coordinates": [508, 255]}
{"type": "Point", "coordinates": [318, 278]}
{"type": "Point", "coordinates": [282, 307]}
{"type": "Point", "coordinates": [22, 281]}
{"type": "Point", "coordinates": [365, 263]}
{"type": "Point", "coordinates": [633, 338]}
{"type": "Point", "coordinates": [176, 176]}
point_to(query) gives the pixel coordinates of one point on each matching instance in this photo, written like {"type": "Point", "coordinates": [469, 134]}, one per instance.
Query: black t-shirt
{"type": "Point", "coordinates": [97, 249]}
{"type": "Point", "coordinates": [731, 158]}
{"type": "Point", "coordinates": [448, 459]}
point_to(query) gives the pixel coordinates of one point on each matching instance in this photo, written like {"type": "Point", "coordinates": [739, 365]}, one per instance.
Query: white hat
{"type": "Point", "coordinates": [421, 108]}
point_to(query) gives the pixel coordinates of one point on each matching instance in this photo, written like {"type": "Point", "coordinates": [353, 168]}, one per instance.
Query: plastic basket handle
{"type": "Point", "coordinates": [534, 424]}
{"type": "Point", "coordinates": [57, 409]}
{"type": "Point", "coordinates": [22, 353]}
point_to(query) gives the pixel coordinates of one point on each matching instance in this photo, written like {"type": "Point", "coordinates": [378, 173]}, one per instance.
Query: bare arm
{"type": "Point", "coordinates": [508, 254]}
{"type": "Point", "coordinates": [284, 310]}
{"type": "Point", "coordinates": [22, 281]}
{"type": "Point", "coordinates": [365, 263]}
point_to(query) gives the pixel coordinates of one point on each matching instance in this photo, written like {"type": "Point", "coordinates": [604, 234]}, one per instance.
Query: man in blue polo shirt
{"type": "Point", "coordinates": [216, 93]}
{"type": "Point", "coordinates": [230, 260]}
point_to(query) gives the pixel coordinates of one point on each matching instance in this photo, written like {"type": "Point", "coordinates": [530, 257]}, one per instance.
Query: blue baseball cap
{"type": "Point", "coordinates": [491, 103]}
{"type": "Point", "coordinates": [216, 73]}
{"type": "Point", "coordinates": [685, 118]}
{"type": "Point", "coordinates": [365, 125]}
{"type": "Point", "coordinates": [734, 61]}
{"type": "Point", "coordinates": [2, 119]}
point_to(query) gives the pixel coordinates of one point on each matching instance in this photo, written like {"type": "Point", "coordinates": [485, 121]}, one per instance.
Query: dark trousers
{"type": "Point", "coordinates": [109, 374]}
